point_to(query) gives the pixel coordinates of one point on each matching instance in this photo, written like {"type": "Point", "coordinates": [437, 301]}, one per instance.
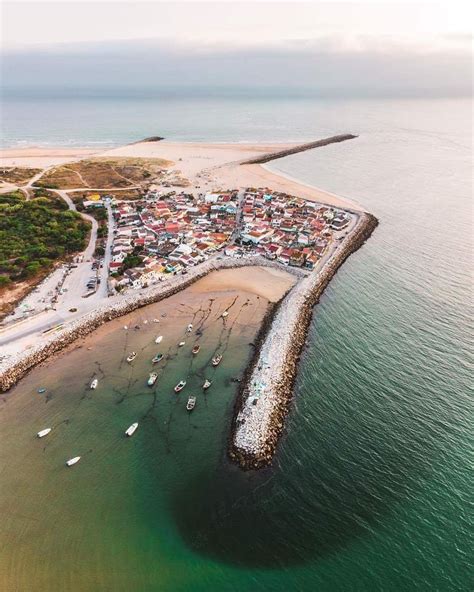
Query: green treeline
{"type": "Point", "coordinates": [34, 234]}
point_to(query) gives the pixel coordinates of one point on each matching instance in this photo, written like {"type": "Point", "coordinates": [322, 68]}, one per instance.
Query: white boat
{"type": "Point", "coordinates": [180, 386]}
{"type": "Point", "coordinates": [157, 359]}
{"type": "Point", "coordinates": [156, 320]}
{"type": "Point", "coordinates": [94, 383]}
{"type": "Point", "coordinates": [225, 313]}
{"type": "Point", "coordinates": [73, 461]}
{"type": "Point", "coordinates": [190, 328]}
{"type": "Point", "coordinates": [191, 403]}
{"type": "Point", "coordinates": [181, 343]}
{"type": "Point", "coordinates": [152, 378]}
{"type": "Point", "coordinates": [216, 360]}
{"type": "Point", "coordinates": [159, 339]}
{"type": "Point", "coordinates": [206, 384]}
{"type": "Point", "coordinates": [131, 430]}
{"type": "Point", "coordinates": [43, 433]}
{"type": "Point", "coordinates": [131, 357]}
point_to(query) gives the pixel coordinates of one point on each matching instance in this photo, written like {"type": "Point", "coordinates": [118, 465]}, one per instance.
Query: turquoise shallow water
{"type": "Point", "coordinates": [372, 480]}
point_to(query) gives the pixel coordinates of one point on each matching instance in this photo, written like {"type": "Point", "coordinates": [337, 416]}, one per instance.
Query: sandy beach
{"type": "Point", "coordinates": [207, 166]}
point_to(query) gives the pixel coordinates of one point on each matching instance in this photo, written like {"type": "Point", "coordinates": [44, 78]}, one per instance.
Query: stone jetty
{"type": "Point", "coordinates": [300, 148]}
{"type": "Point", "coordinates": [267, 388]}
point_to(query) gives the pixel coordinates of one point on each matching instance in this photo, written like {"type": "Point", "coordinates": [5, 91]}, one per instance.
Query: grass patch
{"type": "Point", "coordinates": [104, 173]}
{"type": "Point", "coordinates": [17, 175]}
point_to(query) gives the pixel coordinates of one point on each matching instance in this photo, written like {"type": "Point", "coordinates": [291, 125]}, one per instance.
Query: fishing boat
{"type": "Point", "coordinates": [181, 343]}
{"type": "Point", "coordinates": [191, 403]}
{"type": "Point", "coordinates": [180, 386]}
{"type": "Point", "coordinates": [43, 433]}
{"type": "Point", "coordinates": [157, 358]}
{"type": "Point", "coordinates": [207, 384]}
{"type": "Point", "coordinates": [196, 349]}
{"type": "Point", "coordinates": [225, 313]}
{"type": "Point", "coordinates": [216, 360]}
{"type": "Point", "coordinates": [94, 383]}
{"type": "Point", "coordinates": [152, 378]}
{"type": "Point", "coordinates": [190, 328]}
{"type": "Point", "coordinates": [159, 339]}
{"type": "Point", "coordinates": [73, 461]}
{"type": "Point", "coordinates": [131, 357]}
{"type": "Point", "coordinates": [131, 430]}
{"type": "Point", "coordinates": [41, 390]}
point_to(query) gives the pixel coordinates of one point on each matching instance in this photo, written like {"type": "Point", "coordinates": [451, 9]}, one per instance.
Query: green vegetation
{"type": "Point", "coordinates": [34, 234]}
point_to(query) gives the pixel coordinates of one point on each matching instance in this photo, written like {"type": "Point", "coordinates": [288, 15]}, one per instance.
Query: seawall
{"type": "Point", "coordinates": [301, 148]}
{"type": "Point", "coordinates": [267, 389]}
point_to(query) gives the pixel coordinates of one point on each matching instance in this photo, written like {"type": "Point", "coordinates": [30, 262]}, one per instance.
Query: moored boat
{"type": "Point", "coordinates": [73, 461]}
{"type": "Point", "coordinates": [225, 313]}
{"type": "Point", "coordinates": [181, 343]}
{"type": "Point", "coordinates": [94, 383]}
{"type": "Point", "coordinates": [216, 360]}
{"type": "Point", "coordinates": [131, 357]}
{"type": "Point", "coordinates": [191, 403]}
{"type": "Point", "coordinates": [159, 339]}
{"type": "Point", "coordinates": [157, 358]}
{"type": "Point", "coordinates": [131, 430]}
{"type": "Point", "coordinates": [207, 384]}
{"type": "Point", "coordinates": [152, 378]}
{"type": "Point", "coordinates": [196, 349]}
{"type": "Point", "coordinates": [41, 390]}
{"type": "Point", "coordinates": [43, 433]}
{"type": "Point", "coordinates": [180, 386]}
{"type": "Point", "coordinates": [190, 328]}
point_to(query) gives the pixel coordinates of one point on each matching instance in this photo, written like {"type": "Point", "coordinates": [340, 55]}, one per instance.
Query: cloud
{"type": "Point", "coordinates": [328, 66]}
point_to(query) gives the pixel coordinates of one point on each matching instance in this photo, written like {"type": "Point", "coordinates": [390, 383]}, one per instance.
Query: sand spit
{"type": "Point", "coordinates": [301, 148]}
{"type": "Point", "coordinates": [266, 391]}
{"type": "Point", "coordinates": [14, 368]}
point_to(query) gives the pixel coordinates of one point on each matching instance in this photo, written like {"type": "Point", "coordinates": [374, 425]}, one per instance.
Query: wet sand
{"type": "Point", "coordinates": [266, 282]}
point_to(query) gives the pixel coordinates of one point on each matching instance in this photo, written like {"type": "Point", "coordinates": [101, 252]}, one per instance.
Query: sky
{"type": "Point", "coordinates": [334, 47]}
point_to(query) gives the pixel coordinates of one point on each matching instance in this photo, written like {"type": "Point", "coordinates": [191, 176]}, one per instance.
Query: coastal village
{"type": "Point", "coordinates": [167, 233]}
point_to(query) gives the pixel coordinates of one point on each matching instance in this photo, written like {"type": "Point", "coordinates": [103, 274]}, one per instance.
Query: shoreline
{"type": "Point", "coordinates": [14, 368]}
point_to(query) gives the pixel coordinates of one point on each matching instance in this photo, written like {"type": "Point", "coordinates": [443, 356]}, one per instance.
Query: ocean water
{"type": "Point", "coordinates": [372, 484]}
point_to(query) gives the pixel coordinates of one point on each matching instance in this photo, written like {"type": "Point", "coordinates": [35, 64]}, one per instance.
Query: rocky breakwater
{"type": "Point", "coordinates": [300, 148]}
{"type": "Point", "coordinates": [267, 389]}
{"type": "Point", "coordinates": [15, 367]}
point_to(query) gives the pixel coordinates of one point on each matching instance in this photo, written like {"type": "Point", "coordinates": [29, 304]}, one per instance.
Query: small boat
{"type": "Point", "coordinates": [196, 349]}
{"type": "Point", "coordinates": [181, 343]}
{"type": "Point", "coordinates": [157, 358]}
{"type": "Point", "coordinates": [73, 461]}
{"type": "Point", "coordinates": [156, 320]}
{"type": "Point", "coordinates": [190, 328]}
{"type": "Point", "coordinates": [224, 314]}
{"type": "Point", "coordinates": [131, 430]}
{"type": "Point", "coordinates": [43, 433]}
{"type": "Point", "coordinates": [94, 383]}
{"type": "Point", "coordinates": [191, 403]}
{"type": "Point", "coordinates": [159, 339]}
{"type": "Point", "coordinates": [216, 360]}
{"type": "Point", "coordinates": [125, 327]}
{"type": "Point", "coordinates": [41, 390]}
{"type": "Point", "coordinates": [152, 378]}
{"type": "Point", "coordinates": [131, 357]}
{"type": "Point", "coordinates": [206, 384]}
{"type": "Point", "coordinates": [180, 386]}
